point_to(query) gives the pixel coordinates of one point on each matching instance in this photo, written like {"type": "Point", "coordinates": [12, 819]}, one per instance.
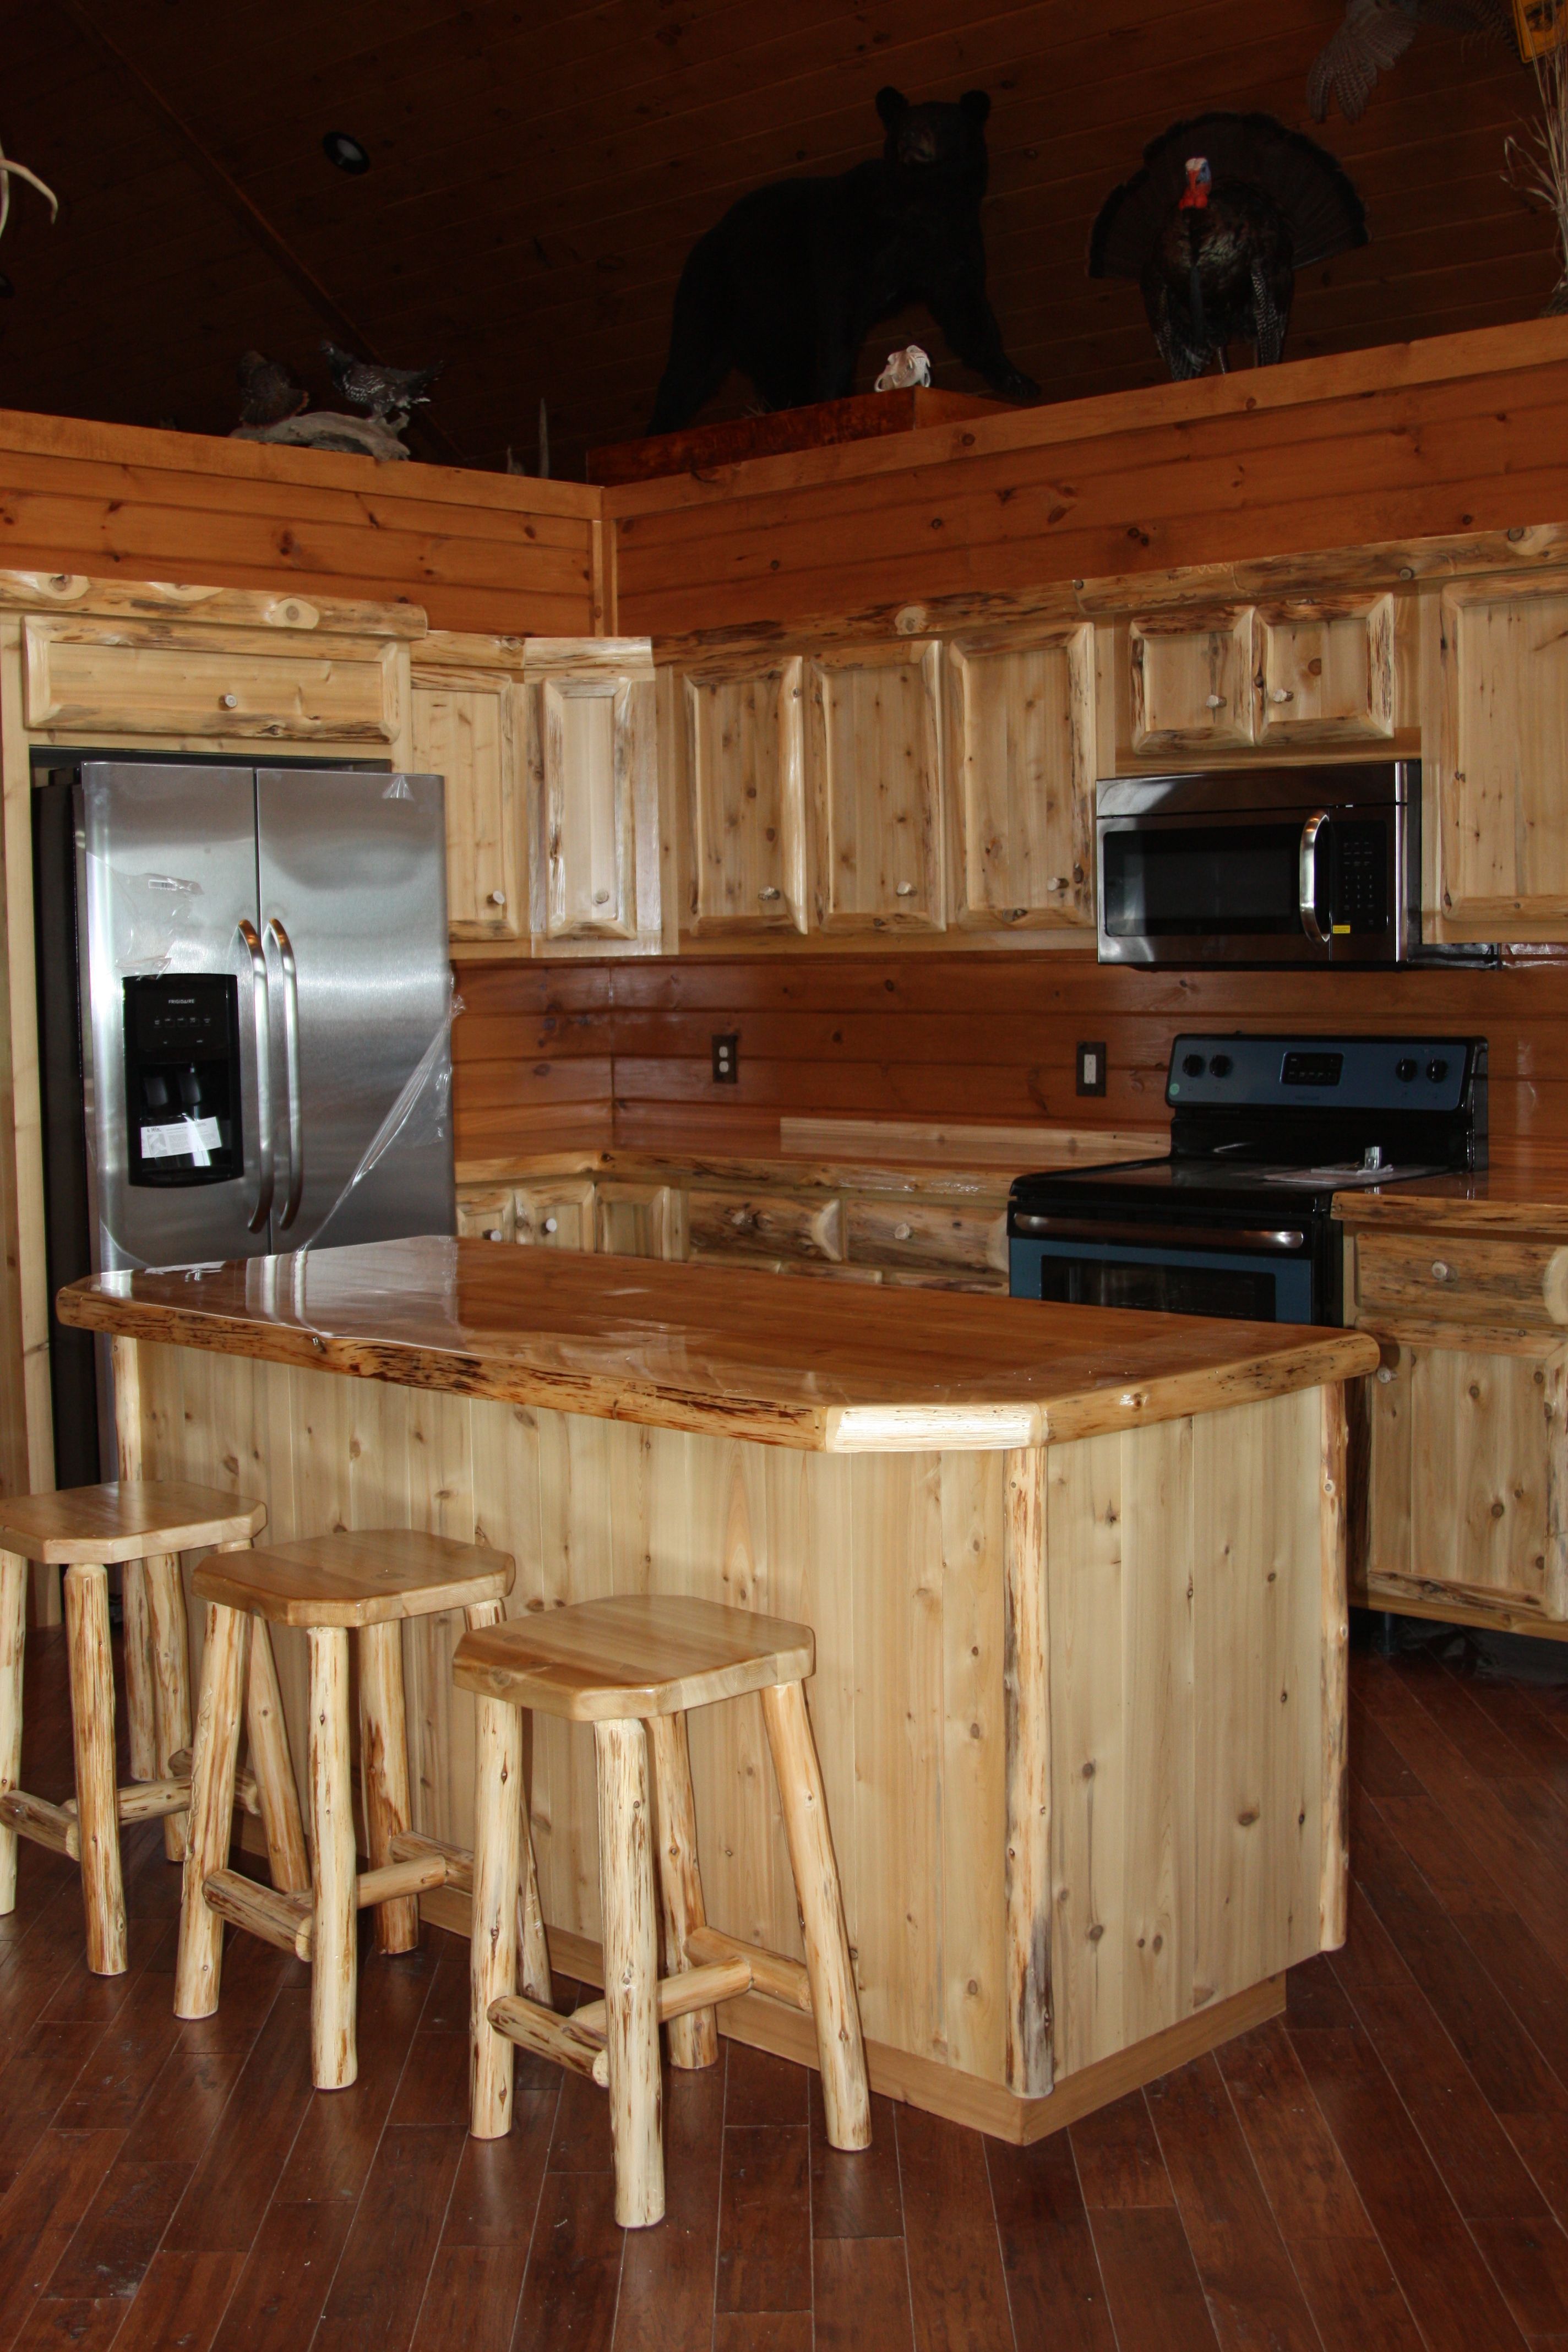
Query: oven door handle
{"type": "Point", "coordinates": [1029, 1224]}
{"type": "Point", "coordinates": [1307, 879]}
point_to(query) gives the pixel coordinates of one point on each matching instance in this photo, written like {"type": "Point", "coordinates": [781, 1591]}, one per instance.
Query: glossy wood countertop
{"type": "Point", "coordinates": [824, 1367]}
{"type": "Point", "coordinates": [1524, 1190]}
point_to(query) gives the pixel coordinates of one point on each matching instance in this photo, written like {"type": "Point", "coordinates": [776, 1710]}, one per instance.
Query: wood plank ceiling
{"type": "Point", "coordinates": [539, 172]}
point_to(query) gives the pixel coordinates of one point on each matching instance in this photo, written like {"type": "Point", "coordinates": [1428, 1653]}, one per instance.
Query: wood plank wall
{"type": "Point", "coordinates": [1463, 433]}
{"type": "Point", "coordinates": [493, 551]}
{"type": "Point", "coordinates": [549, 1054]}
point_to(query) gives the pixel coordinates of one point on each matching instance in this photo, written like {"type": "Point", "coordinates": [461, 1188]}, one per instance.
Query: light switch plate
{"type": "Point", "coordinates": [1091, 1067]}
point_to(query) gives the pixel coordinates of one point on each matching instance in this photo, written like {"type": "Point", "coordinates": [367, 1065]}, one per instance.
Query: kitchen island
{"type": "Point", "coordinates": [1076, 1577]}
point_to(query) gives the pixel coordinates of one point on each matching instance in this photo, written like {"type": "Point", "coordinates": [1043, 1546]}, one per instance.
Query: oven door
{"type": "Point", "coordinates": [1239, 1285]}
{"type": "Point", "coordinates": [1312, 883]}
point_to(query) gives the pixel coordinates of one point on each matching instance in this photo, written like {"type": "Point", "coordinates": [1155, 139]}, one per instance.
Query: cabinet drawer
{"type": "Point", "coordinates": [924, 1236]}
{"type": "Point", "coordinates": [638, 1221]}
{"type": "Point", "coordinates": [487, 1216]}
{"type": "Point", "coordinates": [555, 1216]}
{"type": "Point", "coordinates": [105, 679]}
{"type": "Point", "coordinates": [1456, 1278]}
{"type": "Point", "coordinates": [764, 1224]}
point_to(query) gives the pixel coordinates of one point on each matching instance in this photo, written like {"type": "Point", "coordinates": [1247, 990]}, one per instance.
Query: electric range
{"type": "Point", "coordinates": [1237, 1219]}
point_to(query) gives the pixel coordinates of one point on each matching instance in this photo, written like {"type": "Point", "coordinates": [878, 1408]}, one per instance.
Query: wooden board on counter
{"type": "Point", "coordinates": [676, 1346]}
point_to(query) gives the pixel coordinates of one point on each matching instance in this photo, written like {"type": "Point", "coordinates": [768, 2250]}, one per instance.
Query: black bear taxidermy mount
{"type": "Point", "coordinates": [1225, 210]}
{"type": "Point", "coordinates": [789, 284]}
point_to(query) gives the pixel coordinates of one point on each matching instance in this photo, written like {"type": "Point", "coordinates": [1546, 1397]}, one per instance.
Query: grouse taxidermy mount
{"type": "Point", "coordinates": [268, 391]}
{"type": "Point", "coordinates": [1225, 210]}
{"type": "Point", "coordinates": [787, 286]}
{"type": "Point", "coordinates": [1376, 35]}
{"type": "Point", "coordinates": [390, 394]}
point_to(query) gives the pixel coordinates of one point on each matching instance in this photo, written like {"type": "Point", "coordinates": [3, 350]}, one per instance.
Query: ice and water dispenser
{"type": "Point", "coordinates": [182, 1079]}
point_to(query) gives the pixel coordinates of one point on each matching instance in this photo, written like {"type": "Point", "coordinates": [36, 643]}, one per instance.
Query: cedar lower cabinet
{"type": "Point", "coordinates": [874, 776]}
{"type": "Point", "coordinates": [1495, 758]}
{"type": "Point", "coordinates": [736, 733]}
{"type": "Point", "coordinates": [1465, 1480]}
{"type": "Point", "coordinates": [1020, 716]}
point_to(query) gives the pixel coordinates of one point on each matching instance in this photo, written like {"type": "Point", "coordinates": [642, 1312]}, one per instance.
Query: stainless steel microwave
{"type": "Point", "coordinates": [1262, 866]}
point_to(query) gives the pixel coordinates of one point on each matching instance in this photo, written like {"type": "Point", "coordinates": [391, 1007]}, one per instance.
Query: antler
{"type": "Point", "coordinates": [8, 171]}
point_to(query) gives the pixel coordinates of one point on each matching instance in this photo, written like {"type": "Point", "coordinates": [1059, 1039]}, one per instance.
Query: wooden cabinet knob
{"type": "Point", "coordinates": [1441, 1272]}
{"type": "Point", "coordinates": [495, 1234]}
{"type": "Point", "coordinates": [1214, 702]}
{"type": "Point", "coordinates": [550, 1223]}
{"type": "Point", "coordinates": [229, 701]}
{"type": "Point", "coordinates": [1281, 694]}
{"type": "Point", "coordinates": [770, 892]}
{"type": "Point", "coordinates": [601, 897]}
{"type": "Point", "coordinates": [906, 889]}
{"type": "Point", "coordinates": [498, 897]}
{"type": "Point", "coordinates": [902, 1233]}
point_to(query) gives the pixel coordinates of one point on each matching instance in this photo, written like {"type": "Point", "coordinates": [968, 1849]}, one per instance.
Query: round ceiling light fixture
{"type": "Point", "coordinates": [346, 153]}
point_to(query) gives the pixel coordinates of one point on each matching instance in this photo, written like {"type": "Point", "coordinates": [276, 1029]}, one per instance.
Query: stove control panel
{"type": "Point", "coordinates": [1426, 1074]}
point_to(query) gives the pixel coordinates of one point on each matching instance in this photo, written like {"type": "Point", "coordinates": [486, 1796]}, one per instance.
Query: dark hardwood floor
{"type": "Point", "coordinates": [1384, 2167]}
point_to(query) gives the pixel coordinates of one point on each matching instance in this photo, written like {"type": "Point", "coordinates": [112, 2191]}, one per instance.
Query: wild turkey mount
{"type": "Point", "coordinates": [1225, 210]}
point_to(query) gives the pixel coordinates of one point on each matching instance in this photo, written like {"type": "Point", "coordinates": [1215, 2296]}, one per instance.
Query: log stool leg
{"type": "Point", "coordinates": [287, 1858]}
{"type": "Point", "coordinates": [631, 1972]}
{"type": "Point", "coordinates": [840, 2050]}
{"type": "Point", "coordinates": [532, 1947]}
{"type": "Point", "coordinates": [97, 1782]}
{"type": "Point", "coordinates": [136, 1642]}
{"type": "Point", "coordinates": [12, 1648]}
{"type": "Point", "coordinates": [499, 1832]}
{"type": "Point", "coordinates": [334, 1961]}
{"type": "Point", "coordinates": [693, 2039]}
{"type": "Point", "coordinates": [209, 1823]}
{"type": "Point", "coordinates": [168, 1641]}
{"type": "Point", "coordinates": [383, 1768]}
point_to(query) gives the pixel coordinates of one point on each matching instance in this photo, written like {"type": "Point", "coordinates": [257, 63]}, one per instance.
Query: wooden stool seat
{"type": "Point", "coordinates": [641, 1655]}
{"type": "Point", "coordinates": [126, 1520]}
{"type": "Point", "coordinates": [632, 1667]}
{"type": "Point", "coordinates": [367, 1581]}
{"type": "Point", "coordinates": [141, 1527]}
{"type": "Point", "coordinates": [371, 1577]}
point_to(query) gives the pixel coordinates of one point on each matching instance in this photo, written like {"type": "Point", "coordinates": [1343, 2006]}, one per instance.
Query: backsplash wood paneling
{"type": "Point", "coordinates": [621, 1052]}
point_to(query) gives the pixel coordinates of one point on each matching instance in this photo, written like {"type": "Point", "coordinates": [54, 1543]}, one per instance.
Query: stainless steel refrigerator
{"type": "Point", "coordinates": [245, 1011]}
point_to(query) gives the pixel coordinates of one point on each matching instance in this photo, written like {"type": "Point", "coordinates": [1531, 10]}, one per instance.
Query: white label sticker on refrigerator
{"type": "Point", "coordinates": [181, 1138]}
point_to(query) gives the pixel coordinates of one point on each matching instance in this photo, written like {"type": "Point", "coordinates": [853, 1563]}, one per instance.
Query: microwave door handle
{"type": "Point", "coordinates": [276, 932]}
{"type": "Point", "coordinates": [261, 1014]}
{"type": "Point", "coordinates": [1307, 879]}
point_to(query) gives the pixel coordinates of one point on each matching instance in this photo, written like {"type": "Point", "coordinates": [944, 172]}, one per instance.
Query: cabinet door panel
{"type": "Point", "coordinates": [593, 776]}
{"type": "Point", "coordinates": [875, 750]}
{"type": "Point", "coordinates": [487, 1216]}
{"type": "Point", "coordinates": [1501, 842]}
{"type": "Point", "coordinates": [463, 730]}
{"type": "Point", "coordinates": [928, 1234]}
{"type": "Point", "coordinates": [638, 1221]}
{"type": "Point", "coordinates": [1190, 678]}
{"type": "Point", "coordinates": [97, 679]}
{"type": "Point", "coordinates": [556, 1214]}
{"type": "Point", "coordinates": [1463, 1469]}
{"type": "Point", "coordinates": [1325, 672]}
{"type": "Point", "coordinates": [742, 748]}
{"type": "Point", "coordinates": [1021, 767]}
{"type": "Point", "coordinates": [776, 1226]}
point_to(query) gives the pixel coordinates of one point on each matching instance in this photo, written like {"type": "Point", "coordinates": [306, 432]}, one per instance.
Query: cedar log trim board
{"type": "Point", "coordinates": [1079, 1835]}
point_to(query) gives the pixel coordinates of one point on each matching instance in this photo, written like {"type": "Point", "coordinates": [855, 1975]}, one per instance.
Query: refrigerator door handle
{"type": "Point", "coordinates": [276, 932]}
{"type": "Point", "coordinates": [261, 1010]}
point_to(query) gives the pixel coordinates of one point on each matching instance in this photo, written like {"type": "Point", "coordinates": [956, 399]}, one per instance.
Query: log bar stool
{"type": "Point", "coordinates": [623, 1664]}
{"type": "Point", "coordinates": [139, 1525]}
{"type": "Point", "coordinates": [329, 1584]}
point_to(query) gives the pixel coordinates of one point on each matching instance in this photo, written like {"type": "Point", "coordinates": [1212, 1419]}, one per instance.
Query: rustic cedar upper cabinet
{"type": "Point", "coordinates": [548, 748]}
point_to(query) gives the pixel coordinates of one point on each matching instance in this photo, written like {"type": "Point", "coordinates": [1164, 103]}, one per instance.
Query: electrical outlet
{"type": "Point", "coordinates": [727, 1061]}
{"type": "Point", "coordinates": [1091, 1067]}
